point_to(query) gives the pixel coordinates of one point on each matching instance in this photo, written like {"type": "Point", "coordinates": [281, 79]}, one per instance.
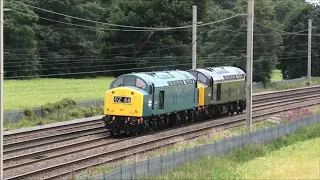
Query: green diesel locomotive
{"type": "Point", "coordinates": [139, 102]}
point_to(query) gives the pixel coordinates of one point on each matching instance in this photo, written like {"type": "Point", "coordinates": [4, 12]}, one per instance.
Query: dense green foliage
{"type": "Point", "coordinates": [47, 44]}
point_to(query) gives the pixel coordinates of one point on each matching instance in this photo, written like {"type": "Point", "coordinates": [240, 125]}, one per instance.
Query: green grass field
{"type": "Point", "coordinates": [298, 161]}
{"type": "Point", "coordinates": [295, 156]}
{"type": "Point", "coordinates": [289, 85]}
{"type": "Point", "coordinates": [21, 94]}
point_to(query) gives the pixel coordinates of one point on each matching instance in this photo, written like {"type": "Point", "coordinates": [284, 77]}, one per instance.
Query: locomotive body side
{"type": "Point", "coordinates": [224, 90]}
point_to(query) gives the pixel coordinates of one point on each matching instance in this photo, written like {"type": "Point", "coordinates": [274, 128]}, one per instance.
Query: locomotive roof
{"type": "Point", "coordinates": [223, 73]}
{"type": "Point", "coordinates": [164, 78]}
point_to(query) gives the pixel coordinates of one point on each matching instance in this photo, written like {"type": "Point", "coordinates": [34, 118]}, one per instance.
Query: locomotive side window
{"type": "Point", "coordinates": [140, 83]}
{"type": "Point", "coordinates": [218, 92]}
{"type": "Point", "coordinates": [161, 99]}
{"type": "Point", "coordinates": [118, 82]}
{"type": "Point", "coordinates": [150, 89]}
{"type": "Point", "coordinates": [212, 88]}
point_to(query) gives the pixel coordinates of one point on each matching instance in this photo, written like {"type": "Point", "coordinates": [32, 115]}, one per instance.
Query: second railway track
{"type": "Point", "coordinates": [88, 126]}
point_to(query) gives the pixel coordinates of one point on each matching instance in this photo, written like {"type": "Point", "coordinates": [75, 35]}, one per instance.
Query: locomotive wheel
{"type": "Point", "coordinates": [219, 111]}
{"type": "Point", "coordinates": [154, 124]}
{"type": "Point", "coordinates": [166, 122]}
{"type": "Point", "coordinates": [133, 133]}
{"type": "Point", "coordinates": [178, 119]}
{"type": "Point", "coordinates": [145, 126]}
{"type": "Point", "coordinates": [190, 117]}
{"type": "Point", "coordinates": [201, 116]}
{"type": "Point", "coordinates": [233, 107]}
{"type": "Point", "coordinates": [161, 123]}
{"type": "Point", "coordinates": [241, 108]}
{"type": "Point", "coordinates": [196, 116]}
{"type": "Point", "coordinates": [115, 132]}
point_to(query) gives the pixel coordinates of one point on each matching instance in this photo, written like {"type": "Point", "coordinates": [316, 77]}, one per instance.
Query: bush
{"type": "Point", "coordinates": [28, 113]}
{"type": "Point", "coordinates": [249, 152]}
{"type": "Point", "coordinates": [64, 110]}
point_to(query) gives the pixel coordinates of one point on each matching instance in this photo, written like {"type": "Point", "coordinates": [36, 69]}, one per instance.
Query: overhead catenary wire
{"type": "Point", "coordinates": [164, 47]}
{"type": "Point", "coordinates": [91, 72]}
{"type": "Point", "coordinates": [125, 26]}
{"type": "Point", "coordinates": [86, 62]}
{"type": "Point", "coordinates": [202, 60]}
{"type": "Point", "coordinates": [96, 56]}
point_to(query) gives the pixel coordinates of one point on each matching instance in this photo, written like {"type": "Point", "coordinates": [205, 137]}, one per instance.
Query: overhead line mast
{"type": "Point", "coordinates": [194, 37]}
{"type": "Point", "coordinates": [249, 64]}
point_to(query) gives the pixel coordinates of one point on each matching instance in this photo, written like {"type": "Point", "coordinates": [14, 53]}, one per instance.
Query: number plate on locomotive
{"type": "Point", "coordinates": [119, 99]}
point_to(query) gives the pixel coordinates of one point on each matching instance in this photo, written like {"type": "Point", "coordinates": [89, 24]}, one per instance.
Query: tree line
{"type": "Point", "coordinates": [80, 38]}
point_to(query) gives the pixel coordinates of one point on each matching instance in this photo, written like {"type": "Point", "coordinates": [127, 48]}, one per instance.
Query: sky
{"type": "Point", "coordinates": [314, 1]}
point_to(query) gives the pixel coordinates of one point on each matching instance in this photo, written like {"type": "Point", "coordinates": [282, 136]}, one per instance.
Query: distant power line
{"type": "Point", "coordinates": [125, 26]}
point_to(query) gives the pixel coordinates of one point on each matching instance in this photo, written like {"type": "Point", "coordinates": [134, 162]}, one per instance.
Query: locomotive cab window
{"type": "Point", "coordinates": [161, 100]}
{"type": "Point", "coordinates": [118, 82]}
{"type": "Point", "coordinates": [140, 84]}
{"type": "Point", "coordinates": [202, 78]}
{"type": "Point", "coordinates": [130, 81]}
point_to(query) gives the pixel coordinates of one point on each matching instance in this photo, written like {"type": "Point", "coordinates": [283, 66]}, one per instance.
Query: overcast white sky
{"type": "Point", "coordinates": [314, 1]}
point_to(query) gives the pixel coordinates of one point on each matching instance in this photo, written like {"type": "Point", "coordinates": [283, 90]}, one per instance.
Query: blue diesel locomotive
{"type": "Point", "coordinates": [137, 103]}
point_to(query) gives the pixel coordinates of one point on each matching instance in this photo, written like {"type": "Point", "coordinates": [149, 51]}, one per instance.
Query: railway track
{"type": "Point", "coordinates": [12, 145]}
{"type": "Point", "coordinates": [95, 128]}
{"type": "Point", "coordinates": [59, 129]}
{"type": "Point", "coordinates": [98, 149]}
{"type": "Point", "coordinates": [73, 147]}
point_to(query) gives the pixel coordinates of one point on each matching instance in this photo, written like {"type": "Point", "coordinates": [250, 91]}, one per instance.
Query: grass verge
{"type": "Point", "coordinates": [285, 86]}
{"type": "Point", "coordinates": [298, 161]}
{"type": "Point", "coordinates": [63, 110]}
{"type": "Point", "coordinates": [286, 157]}
{"type": "Point", "coordinates": [216, 135]}
{"type": "Point", "coordinates": [21, 94]}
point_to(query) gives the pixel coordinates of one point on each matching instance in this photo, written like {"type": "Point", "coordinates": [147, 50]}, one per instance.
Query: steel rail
{"type": "Point", "coordinates": [316, 101]}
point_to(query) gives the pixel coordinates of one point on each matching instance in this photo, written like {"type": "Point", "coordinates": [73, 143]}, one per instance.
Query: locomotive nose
{"type": "Point", "coordinates": [124, 101]}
